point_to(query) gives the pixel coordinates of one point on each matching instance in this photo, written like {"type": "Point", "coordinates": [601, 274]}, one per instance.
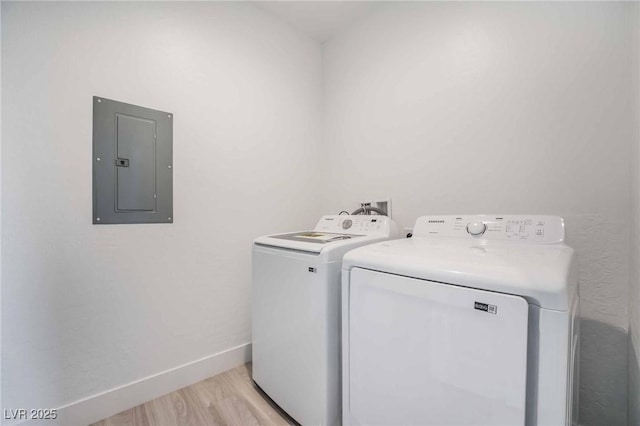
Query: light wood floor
{"type": "Point", "coordinates": [230, 398]}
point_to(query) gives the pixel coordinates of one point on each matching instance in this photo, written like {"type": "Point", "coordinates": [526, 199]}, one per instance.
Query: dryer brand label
{"type": "Point", "coordinates": [492, 309]}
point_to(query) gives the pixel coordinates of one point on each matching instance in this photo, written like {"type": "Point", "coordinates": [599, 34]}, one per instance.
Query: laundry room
{"type": "Point", "coordinates": [320, 212]}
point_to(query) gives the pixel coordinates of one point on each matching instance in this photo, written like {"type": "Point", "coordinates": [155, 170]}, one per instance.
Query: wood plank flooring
{"type": "Point", "coordinates": [230, 398]}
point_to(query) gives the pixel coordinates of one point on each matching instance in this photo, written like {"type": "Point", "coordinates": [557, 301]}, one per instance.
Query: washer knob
{"type": "Point", "coordinates": [476, 228]}
{"type": "Point", "coordinates": [347, 224]}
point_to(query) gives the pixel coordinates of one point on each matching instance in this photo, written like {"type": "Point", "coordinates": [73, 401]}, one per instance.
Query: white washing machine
{"type": "Point", "coordinates": [473, 321]}
{"type": "Point", "coordinates": [296, 313]}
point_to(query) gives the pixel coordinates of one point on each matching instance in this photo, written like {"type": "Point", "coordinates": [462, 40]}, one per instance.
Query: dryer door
{"type": "Point", "coordinates": [426, 353]}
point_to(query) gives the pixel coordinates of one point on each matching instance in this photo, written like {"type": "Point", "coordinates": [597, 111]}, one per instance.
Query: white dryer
{"type": "Point", "coordinates": [296, 313]}
{"type": "Point", "coordinates": [473, 321]}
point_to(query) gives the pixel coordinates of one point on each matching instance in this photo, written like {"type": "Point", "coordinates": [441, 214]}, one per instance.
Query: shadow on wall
{"type": "Point", "coordinates": [603, 374]}
{"type": "Point", "coordinates": [634, 385]}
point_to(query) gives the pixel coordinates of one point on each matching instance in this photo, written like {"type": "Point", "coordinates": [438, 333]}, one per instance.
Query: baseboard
{"type": "Point", "coordinates": [97, 407]}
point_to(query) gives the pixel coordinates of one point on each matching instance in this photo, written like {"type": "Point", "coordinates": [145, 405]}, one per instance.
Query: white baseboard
{"type": "Point", "coordinates": [105, 404]}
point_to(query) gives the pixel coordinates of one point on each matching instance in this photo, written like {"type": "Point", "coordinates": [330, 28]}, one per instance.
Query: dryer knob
{"type": "Point", "coordinates": [476, 228]}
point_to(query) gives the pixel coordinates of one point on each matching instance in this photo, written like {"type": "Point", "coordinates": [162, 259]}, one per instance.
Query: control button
{"type": "Point", "coordinates": [539, 232]}
{"type": "Point", "coordinates": [347, 224]}
{"type": "Point", "coordinates": [476, 228]}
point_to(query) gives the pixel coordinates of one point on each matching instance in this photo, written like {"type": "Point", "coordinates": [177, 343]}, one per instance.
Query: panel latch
{"type": "Point", "coordinates": [122, 162]}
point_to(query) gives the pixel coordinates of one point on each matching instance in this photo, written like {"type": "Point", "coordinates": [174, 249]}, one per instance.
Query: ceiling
{"type": "Point", "coordinates": [320, 20]}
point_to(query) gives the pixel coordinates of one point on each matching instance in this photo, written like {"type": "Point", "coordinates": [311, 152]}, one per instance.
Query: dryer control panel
{"type": "Point", "coordinates": [355, 224]}
{"type": "Point", "coordinates": [518, 228]}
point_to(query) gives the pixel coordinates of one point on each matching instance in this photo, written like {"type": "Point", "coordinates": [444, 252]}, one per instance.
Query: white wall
{"type": "Point", "coordinates": [498, 108]}
{"type": "Point", "coordinates": [634, 282]}
{"type": "Point", "coordinates": [1, 215]}
{"type": "Point", "coordinates": [87, 308]}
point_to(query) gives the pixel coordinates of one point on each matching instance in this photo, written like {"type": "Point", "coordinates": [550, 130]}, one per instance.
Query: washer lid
{"type": "Point", "coordinates": [311, 241]}
{"type": "Point", "coordinates": [545, 274]}
{"type": "Point", "coordinates": [335, 231]}
{"type": "Point", "coordinates": [315, 237]}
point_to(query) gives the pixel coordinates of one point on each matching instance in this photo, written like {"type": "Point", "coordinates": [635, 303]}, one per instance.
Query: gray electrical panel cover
{"type": "Point", "coordinates": [132, 163]}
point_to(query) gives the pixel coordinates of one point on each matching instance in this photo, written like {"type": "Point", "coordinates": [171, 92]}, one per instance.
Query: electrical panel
{"type": "Point", "coordinates": [132, 163]}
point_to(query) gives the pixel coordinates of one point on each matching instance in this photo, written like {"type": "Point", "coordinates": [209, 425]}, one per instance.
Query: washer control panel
{"type": "Point", "coordinates": [520, 228]}
{"type": "Point", "coordinates": [354, 224]}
